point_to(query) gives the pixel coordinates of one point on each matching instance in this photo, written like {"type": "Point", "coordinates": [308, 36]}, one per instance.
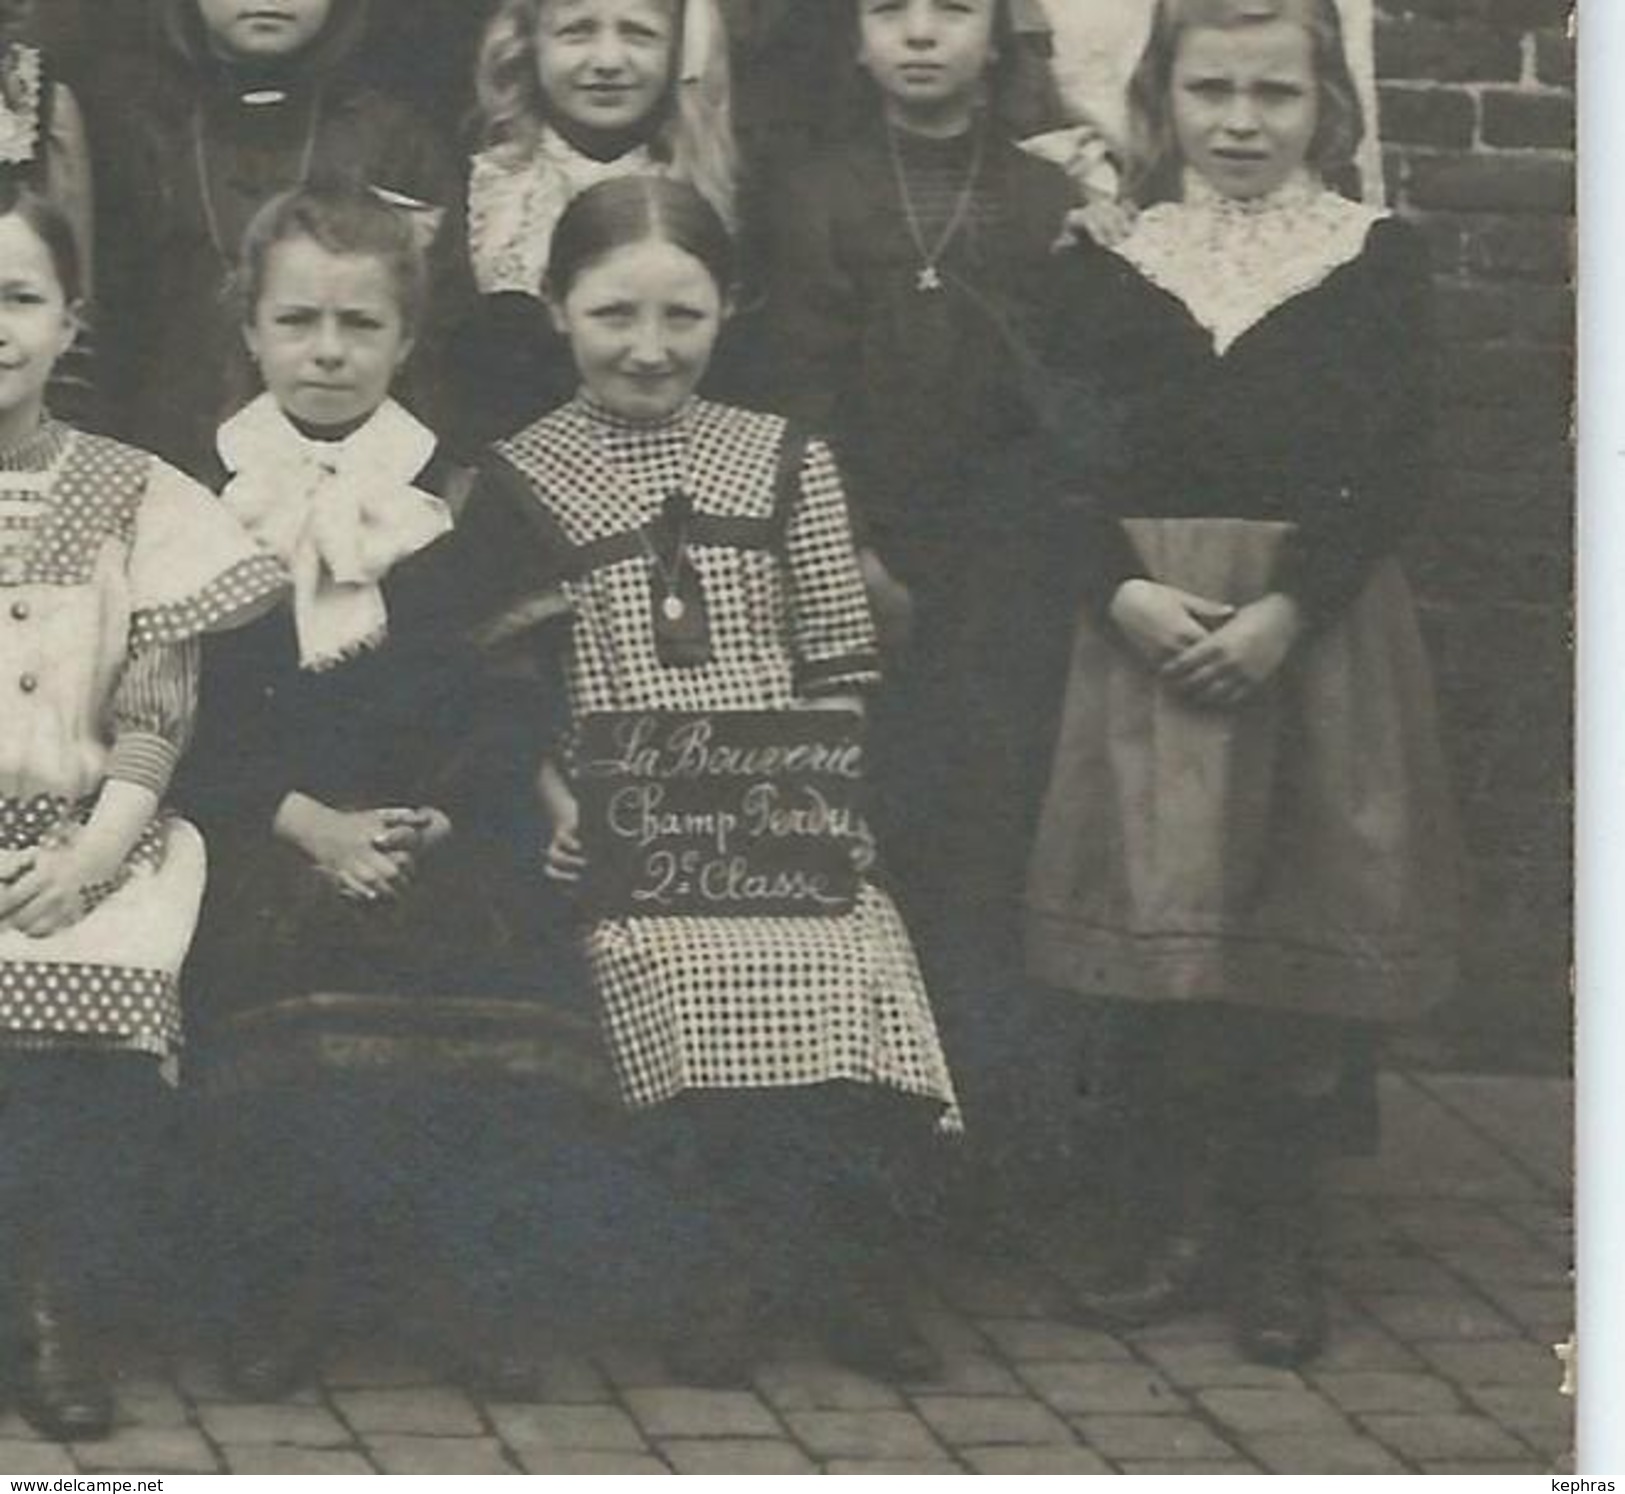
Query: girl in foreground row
{"type": "Point", "coordinates": [112, 568]}
{"type": "Point", "coordinates": [710, 564]}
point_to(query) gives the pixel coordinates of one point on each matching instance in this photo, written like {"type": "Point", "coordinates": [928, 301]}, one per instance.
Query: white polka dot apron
{"type": "Point", "coordinates": [103, 550]}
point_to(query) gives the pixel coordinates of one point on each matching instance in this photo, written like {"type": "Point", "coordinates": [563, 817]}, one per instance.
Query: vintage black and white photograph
{"type": "Point", "coordinates": [786, 736]}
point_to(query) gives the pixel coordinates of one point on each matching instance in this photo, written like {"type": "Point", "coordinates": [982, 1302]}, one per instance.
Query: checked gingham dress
{"type": "Point", "coordinates": [728, 1003]}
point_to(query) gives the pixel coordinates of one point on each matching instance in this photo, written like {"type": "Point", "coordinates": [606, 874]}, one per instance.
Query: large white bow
{"type": "Point", "coordinates": [339, 514]}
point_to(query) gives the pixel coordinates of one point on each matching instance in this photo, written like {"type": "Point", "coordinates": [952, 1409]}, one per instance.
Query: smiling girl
{"type": "Point", "coordinates": [708, 557]}
{"type": "Point", "coordinates": [1247, 846]}
{"type": "Point", "coordinates": [112, 568]}
{"type": "Point", "coordinates": [575, 92]}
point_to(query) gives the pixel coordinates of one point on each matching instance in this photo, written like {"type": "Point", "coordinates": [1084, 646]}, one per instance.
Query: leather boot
{"type": "Point", "coordinates": [1178, 1267]}
{"type": "Point", "coordinates": [1278, 1306]}
{"type": "Point", "coordinates": [715, 1347]}
{"type": "Point", "coordinates": [868, 1327]}
{"type": "Point", "coordinates": [62, 1390]}
{"type": "Point", "coordinates": [491, 1341]}
{"type": "Point", "coordinates": [277, 1344]}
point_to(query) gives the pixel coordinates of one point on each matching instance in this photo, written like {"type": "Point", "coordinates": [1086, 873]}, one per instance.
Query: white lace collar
{"type": "Point", "coordinates": [339, 514]}
{"type": "Point", "coordinates": [1232, 261]}
{"type": "Point", "coordinates": [514, 204]}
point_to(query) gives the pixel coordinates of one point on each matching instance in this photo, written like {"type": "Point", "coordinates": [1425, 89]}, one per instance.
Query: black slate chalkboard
{"type": "Point", "coordinates": [721, 814]}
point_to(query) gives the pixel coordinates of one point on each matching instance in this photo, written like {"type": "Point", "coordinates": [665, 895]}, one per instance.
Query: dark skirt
{"type": "Point", "coordinates": [422, 1082]}
{"type": "Point", "coordinates": [1198, 1069]}
{"type": "Point", "coordinates": [961, 737]}
{"type": "Point", "coordinates": [795, 1193]}
{"type": "Point", "coordinates": [1298, 854]}
{"type": "Point", "coordinates": [470, 924]}
{"type": "Point", "coordinates": [475, 966]}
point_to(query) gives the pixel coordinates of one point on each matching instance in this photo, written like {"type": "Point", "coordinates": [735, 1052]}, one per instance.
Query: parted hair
{"type": "Point", "coordinates": [1154, 158]}
{"type": "Point", "coordinates": [634, 210]}
{"type": "Point", "coordinates": [51, 226]}
{"type": "Point", "coordinates": [341, 220]}
{"type": "Point", "coordinates": [1021, 96]}
{"type": "Point", "coordinates": [692, 127]}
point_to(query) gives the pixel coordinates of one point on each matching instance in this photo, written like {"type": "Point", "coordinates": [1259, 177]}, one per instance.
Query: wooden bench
{"type": "Point", "coordinates": [436, 1037]}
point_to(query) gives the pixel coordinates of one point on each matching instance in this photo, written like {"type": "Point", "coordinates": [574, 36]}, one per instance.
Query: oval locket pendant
{"type": "Point", "coordinates": [671, 608]}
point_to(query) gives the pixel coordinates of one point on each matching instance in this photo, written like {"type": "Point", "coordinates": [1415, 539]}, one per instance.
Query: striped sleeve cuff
{"type": "Point", "coordinates": [145, 759]}
{"type": "Point", "coordinates": [815, 677]}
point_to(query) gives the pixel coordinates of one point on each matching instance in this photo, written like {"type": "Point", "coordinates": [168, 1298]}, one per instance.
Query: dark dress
{"type": "Point", "coordinates": [198, 148]}
{"type": "Point", "coordinates": [931, 403]}
{"type": "Point", "coordinates": [465, 1169]}
{"type": "Point", "coordinates": [1249, 883]}
{"type": "Point", "coordinates": [928, 399]}
{"type": "Point", "coordinates": [422, 720]}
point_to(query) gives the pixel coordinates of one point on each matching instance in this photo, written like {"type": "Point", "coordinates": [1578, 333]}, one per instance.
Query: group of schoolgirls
{"type": "Point", "coordinates": [1110, 501]}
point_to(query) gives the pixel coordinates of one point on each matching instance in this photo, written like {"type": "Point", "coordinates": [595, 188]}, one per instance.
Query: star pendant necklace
{"type": "Point", "coordinates": [928, 278]}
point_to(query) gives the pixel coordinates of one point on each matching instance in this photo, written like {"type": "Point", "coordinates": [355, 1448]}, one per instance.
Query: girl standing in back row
{"type": "Point", "coordinates": [251, 100]}
{"type": "Point", "coordinates": [572, 93]}
{"type": "Point", "coordinates": [1247, 846]}
{"type": "Point", "coordinates": [904, 264]}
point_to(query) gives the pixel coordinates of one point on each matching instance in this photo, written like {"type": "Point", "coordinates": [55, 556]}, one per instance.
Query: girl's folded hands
{"type": "Point", "coordinates": [42, 890]}
{"type": "Point", "coordinates": [369, 854]}
{"type": "Point", "coordinates": [1161, 622]}
{"type": "Point", "coordinates": [1235, 659]}
{"type": "Point", "coordinates": [1211, 653]}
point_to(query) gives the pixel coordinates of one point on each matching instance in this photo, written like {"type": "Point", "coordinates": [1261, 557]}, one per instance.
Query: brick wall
{"type": "Point", "coordinates": [1478, 123]}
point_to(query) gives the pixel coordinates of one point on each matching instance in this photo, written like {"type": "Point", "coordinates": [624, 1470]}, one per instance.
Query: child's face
{"type": "Point", "coordinates": [926, 55]}
{"type": "Point", "coordinates": [328, 333]}
{"type": "Point", "coordinates": [605, 64]}
{"type": "Point", "coordinates": [263, 30]}
{"type": "Point", "coordinates": [642, 322]}
{"type": "Point", "coordinates": [36, 323]}
{"type": "Point", "coordinates": [1245, 104]}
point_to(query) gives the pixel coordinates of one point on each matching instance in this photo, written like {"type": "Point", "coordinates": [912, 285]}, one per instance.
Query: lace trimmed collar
{"type": "Point", "coordinates": [1232, 261]}
{"type": "Point", "coordinates": [39, 451]}
{"type": "Point", "coordinates": [514, 204]}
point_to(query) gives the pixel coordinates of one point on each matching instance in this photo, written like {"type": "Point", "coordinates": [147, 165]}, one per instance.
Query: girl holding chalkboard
{"type": "Point", "coordinates": [707, 554]}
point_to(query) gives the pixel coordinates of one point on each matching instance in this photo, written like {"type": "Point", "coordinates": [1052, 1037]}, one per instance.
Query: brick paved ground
{"type": "Point", "coordinates": [1450, 1254]}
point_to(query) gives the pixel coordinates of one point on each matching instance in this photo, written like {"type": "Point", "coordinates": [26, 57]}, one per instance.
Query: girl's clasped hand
{"type": "Point", "coordinates": [1213, 654]}
{"type": "Point", "coordinates": [370, 855]}
{"type": "Point", "coordinates": [563, 856]}
{"type": "Point", "coordinates": [42, 889]}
